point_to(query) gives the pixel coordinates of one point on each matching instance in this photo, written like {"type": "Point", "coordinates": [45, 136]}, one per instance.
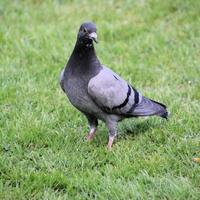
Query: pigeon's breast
{"type": "Point", "coordinates": [76, 90]}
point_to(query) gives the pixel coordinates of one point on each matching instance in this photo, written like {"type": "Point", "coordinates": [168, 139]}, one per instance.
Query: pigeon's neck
{"type": "Point", "coordinates": [84, 59]}
{"type": "Point", "coordinates": [84, 50]}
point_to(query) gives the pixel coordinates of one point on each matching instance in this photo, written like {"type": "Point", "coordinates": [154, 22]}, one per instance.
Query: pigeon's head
{"type": "Point", "coordinates": [87, 34]}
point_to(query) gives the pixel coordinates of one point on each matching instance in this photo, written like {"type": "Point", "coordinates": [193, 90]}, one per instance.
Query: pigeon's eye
{"type": "Point", "coordinates": [84, 30]}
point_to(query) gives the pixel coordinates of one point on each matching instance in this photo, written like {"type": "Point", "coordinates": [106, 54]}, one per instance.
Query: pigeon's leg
{"type": "Point", "coordinates": [93, 123]}
{"type": "Point", "coordinates": [112, 126]}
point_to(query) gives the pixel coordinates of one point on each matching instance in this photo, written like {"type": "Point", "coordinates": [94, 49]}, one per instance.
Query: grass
{"type": "Point", "coordinates": [153, 44]}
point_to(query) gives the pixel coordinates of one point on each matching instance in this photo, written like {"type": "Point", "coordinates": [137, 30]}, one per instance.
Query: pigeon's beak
{"type": "Point", "coordinates": [93, 36]}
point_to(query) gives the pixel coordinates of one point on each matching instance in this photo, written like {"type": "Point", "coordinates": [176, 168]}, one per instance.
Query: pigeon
{"type": "Point", "coordinates": [100, 93]}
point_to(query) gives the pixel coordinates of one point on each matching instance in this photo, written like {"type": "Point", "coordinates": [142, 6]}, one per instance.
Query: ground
{"type": "Point", "coordinates": [153, 44]}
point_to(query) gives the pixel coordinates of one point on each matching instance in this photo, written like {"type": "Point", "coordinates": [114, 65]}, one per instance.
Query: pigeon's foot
{"type": "Point", "coordinates": [90, 135]}
{"type": "Point", "coordinates": [110, 142]}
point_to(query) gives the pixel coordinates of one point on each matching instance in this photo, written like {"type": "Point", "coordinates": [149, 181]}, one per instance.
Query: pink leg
{"type": "Point", "coordinates": [93, 123]}
{"type": "Point", "coordinates": [91, 134]}
{"type": "Point", "coordinates": [110, 142]}
{"type": "Point", "coordinates": [111, 124]}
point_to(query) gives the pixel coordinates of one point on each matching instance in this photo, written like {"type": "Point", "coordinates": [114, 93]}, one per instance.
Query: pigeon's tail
{"type": "Point", "coordinates": [148, 107]}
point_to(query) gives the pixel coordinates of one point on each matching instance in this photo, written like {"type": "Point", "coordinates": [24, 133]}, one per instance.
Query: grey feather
{"type": "Point", "coordinates": [148, 107]}
{"type": "Point", "coordinates": [111, 92]}
{"type": "Point", "coordinates": [62, 80]}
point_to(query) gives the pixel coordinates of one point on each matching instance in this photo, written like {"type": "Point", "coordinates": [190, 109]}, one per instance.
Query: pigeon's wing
{"type": "Point", "coordinates": [113, 94]}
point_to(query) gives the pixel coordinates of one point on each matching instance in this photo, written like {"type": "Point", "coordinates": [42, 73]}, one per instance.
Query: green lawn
{"type": "Point", "coordinates": [153, 44]}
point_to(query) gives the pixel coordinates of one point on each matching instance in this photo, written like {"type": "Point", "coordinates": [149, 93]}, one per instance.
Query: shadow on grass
{"type": "Point", "coordinates": [126, 130]}
{"type": "Point", "coordinates": [130, 129]}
